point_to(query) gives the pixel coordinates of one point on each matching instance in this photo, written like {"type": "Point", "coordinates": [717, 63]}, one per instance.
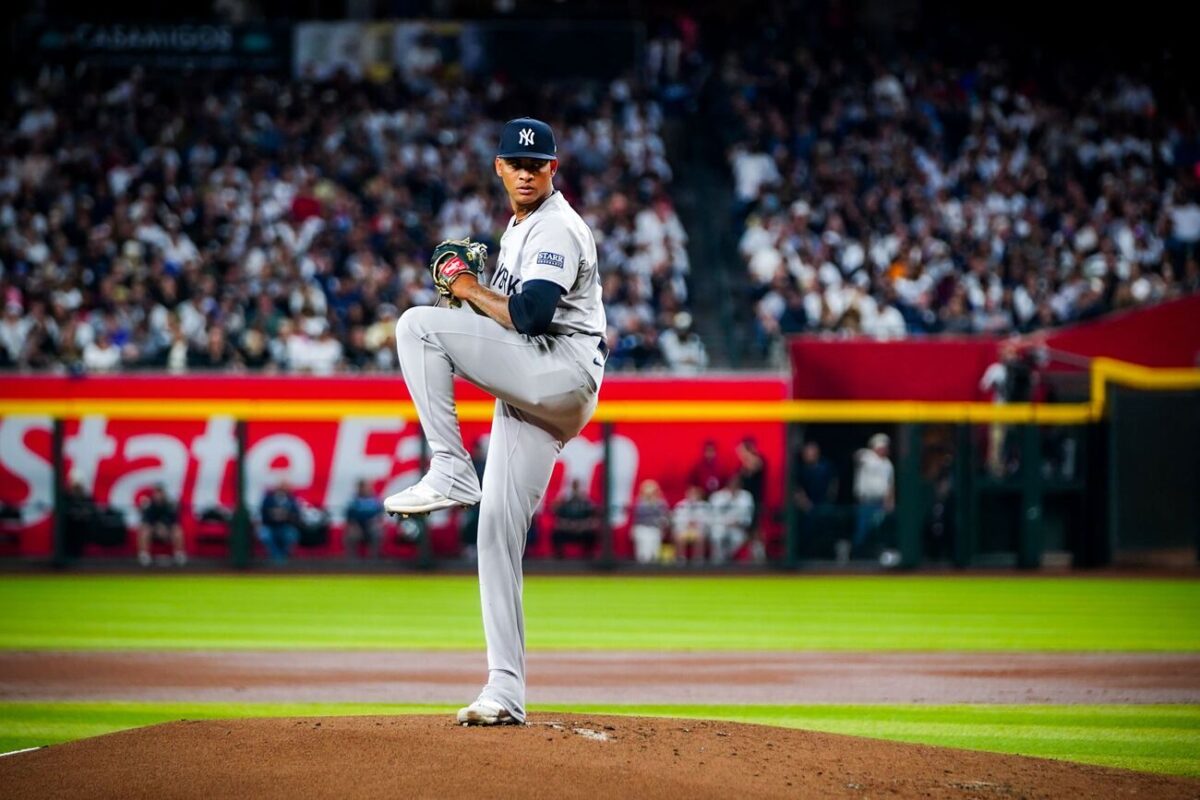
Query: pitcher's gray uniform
{"type": "Point", "coordinates": [545, 387]}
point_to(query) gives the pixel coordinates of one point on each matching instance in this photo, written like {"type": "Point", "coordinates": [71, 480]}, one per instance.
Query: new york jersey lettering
{"type": "Point", "coordinates": [506, 282]}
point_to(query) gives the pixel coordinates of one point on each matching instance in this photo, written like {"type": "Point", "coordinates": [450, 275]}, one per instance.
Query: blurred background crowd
{"type": "Point", "coordinates": [283, 225]}
{"type": "Point", "coordinates": [260, 222]}
{"type": "Point", "coordinates": [969, 193]}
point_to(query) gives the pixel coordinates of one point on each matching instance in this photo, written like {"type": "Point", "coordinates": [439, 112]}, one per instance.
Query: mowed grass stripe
{"type": "Point", "coordinates": [1153, 738]}
{"type": "Point", "coordinates": [735, 613]}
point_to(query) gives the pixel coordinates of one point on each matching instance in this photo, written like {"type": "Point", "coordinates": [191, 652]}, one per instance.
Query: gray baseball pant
{"type": "Point", "coordinates": [545, 389]}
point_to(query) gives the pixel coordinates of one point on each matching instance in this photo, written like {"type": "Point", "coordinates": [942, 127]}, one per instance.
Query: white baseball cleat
{"type": "Point", "coordinates": [486, 712]}
{"type": "Point", "coordinates": [418, 499]}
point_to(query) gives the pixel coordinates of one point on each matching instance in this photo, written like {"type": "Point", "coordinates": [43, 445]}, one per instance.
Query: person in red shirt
{"type": "Point", "coordinates": [707, 473]}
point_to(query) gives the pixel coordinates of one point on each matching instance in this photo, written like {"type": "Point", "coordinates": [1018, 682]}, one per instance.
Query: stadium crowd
{"type": "Point", "coordinates": [917, 195]}
{"type": "Point", "coordinates": [278, 225]}
{"type": "Point", "coordinates": [283, 225]}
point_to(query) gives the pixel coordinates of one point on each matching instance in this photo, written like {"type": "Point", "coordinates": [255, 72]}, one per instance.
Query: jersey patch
{"type": "Point", "coordinates": [551, 259]}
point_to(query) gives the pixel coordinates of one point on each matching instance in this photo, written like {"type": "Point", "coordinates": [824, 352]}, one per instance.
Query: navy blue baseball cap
{"type": "Point", "coordinates": [527, 138]}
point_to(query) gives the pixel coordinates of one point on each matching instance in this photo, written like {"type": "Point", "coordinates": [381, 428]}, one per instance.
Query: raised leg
{"type": "Point", "coordinates": [541, 376]}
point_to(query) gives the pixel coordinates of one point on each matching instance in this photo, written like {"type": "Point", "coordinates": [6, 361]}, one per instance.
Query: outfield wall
{"type": "Point", "coordinates": [123, 434]}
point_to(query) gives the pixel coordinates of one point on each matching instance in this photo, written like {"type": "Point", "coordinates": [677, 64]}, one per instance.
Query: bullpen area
{"type": "Point", "coordinates": [194, 685]}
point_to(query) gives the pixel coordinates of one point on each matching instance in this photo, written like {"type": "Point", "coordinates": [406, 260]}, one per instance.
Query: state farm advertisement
{"type": "Point", "coordinates": [119, 460]}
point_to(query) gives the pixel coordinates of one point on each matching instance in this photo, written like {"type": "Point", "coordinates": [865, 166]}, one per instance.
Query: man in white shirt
{"type": "Point", "coordinates": [101, 355]}
{"type": "Point", "coordinates": [874, 487]}
{"type": "Point", "coordinates": [14, 330]}
{"type": "Point", "coordinates": [682, 348]}
{"type": "Point", "coordinates": [690, 523]}
{"type": "Point", "coordinates": [732, 516]}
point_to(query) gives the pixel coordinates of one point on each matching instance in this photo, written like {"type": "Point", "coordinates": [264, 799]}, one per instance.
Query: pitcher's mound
{"type": "Point", "coordinates": [554, 756]}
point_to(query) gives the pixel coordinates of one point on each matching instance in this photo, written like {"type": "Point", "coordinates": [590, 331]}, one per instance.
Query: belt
{"type": "Point", "coordinates": [602, 345]}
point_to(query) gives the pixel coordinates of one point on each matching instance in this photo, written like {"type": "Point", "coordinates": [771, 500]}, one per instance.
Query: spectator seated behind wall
{"type": "Point", "coordinates": [651, 520]}
{"type": "Point", "coordinates": [690, 523]}
{"type": "Point", "coordinates": [88, 522]}
{"type": "Point", "coordinates": [80, 516]}
{"type": "Point", "coordinates": [280, 519]}
{"type": "Point", "coordinates": [364, 523]}
{"type": "Point", "coordinates": [732, 516]}
{"type": "Point", "coordinates": [159, 522]}
{"type": "Point", "coordinates": [576, 521]}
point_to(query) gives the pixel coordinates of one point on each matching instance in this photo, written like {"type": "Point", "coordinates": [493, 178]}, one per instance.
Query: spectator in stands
{"type": "Point", "coordinates": [13, 332]}
{"type": "Point", "coordinates": [682, 348]}
{"type": "Point", "coordinates": [651, 519]}
{"type": "Point", "coordinates": [217, 353]}
{"type": "Point", "coordinates": [364, 523]}
{"type": "Point", "coordinates": [101, 354]}
{"type": "Point", "coordinates": [874, 490]}
{"type": "Point", "coordinates": [319, 354]}
{"type": "Point", "coordinates": [816, 490]}
{"type": "Point", "coordinates": [637, 346]}
{"type": "Point", "coordinates": [280, 519]}
{"type": "Point", "coordinates": [1184, 214]}
{"type": "Point", "coordinates": [707, 472]}
{"type": "Point", "coordinates": [732, 516]}
{"type": "Point", "coordinates": [752, 474]}
{"type": "Point", "coordinates": [253, 352]}
{"type": "Point", "coordinates": [576, 521]}
{"type": "Point", "coordinates": [690, 522]}
{"type": "Point", "coordinates": [159, 522]}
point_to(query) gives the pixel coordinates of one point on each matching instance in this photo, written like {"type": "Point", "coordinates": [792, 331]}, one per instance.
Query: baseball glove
{"type": "Point", "coordinates": [451, 259]}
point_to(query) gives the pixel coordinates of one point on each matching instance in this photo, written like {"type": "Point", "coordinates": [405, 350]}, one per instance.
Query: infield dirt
{"type": "Point", "coordinates": [553, 756]}
{"type": "Point", "coordinates": [603, 677]}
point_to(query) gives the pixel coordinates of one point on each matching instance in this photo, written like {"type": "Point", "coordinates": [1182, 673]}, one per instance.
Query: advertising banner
{"type": "Point", "coordinates": [248, 48]}
{"type": "Point", "coordinates": [118, 460]}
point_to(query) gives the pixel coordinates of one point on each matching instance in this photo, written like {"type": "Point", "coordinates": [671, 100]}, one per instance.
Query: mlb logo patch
{"type": "Point", "coordinates": [551, 259]}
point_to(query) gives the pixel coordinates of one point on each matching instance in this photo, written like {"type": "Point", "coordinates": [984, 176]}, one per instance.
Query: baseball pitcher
{"type": "Point", "coordinates": [534, 339]}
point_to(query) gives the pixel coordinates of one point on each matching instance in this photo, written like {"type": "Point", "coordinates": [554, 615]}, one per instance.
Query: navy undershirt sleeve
{"type": "Point", "coordinates": [532, 308]}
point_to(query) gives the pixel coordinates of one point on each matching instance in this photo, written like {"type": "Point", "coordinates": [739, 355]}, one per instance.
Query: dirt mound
{"type": "Point", "coordinates": [554, 756]}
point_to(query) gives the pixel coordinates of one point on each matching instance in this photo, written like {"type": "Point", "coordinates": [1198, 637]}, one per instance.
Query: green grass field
{"type": "Point", "coordinates": [769, 613]}
{"type": "Point", "coordinates": [155, 612]}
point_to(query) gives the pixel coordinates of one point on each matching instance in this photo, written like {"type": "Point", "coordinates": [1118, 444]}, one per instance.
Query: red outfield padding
{"type": "Point", "coordinates": [1166, 335]}
{"type": "Point", "coordinates": [949, 368]}
{"type": "Point", "coordinates": [934, 369]}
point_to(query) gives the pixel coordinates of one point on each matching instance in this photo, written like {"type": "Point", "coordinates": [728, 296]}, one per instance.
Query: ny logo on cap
{"type": "Point", "coordinates": [526, 137]}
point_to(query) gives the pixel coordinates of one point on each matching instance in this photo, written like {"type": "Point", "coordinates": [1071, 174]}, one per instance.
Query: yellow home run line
{"type": "Point", "coordinates": [1104, 371]}
{"type": "Point", "coordinates": [614, 411]}
{"type": "Point", "coordinates": [840, 411]}
{"type": "Point", "coordinates": [1108, 370]}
